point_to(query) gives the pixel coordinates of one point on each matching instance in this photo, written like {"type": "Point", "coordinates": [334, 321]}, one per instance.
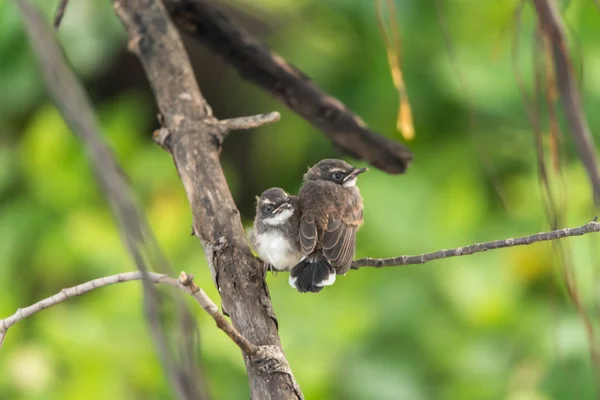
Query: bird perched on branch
{"type": "Point", "coordinates": [331, 211]}
{"type": "Point", "coordinates": [274, 235]}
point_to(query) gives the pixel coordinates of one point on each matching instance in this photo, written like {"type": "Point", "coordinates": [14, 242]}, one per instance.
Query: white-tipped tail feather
{"type": "Point", "coordinates": [311, 275]}
{"type": "Point", "coordinates": [327, 282]}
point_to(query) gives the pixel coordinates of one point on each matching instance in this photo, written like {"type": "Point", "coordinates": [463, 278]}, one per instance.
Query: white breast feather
{"type": "Point", "coordinates": [275, 249]}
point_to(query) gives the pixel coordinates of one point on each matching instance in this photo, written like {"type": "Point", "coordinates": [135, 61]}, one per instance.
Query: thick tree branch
{"type": "Point", "coordinates": [256, 63]}
{"type": "Point", "coordinates": [551, 23]}
{"type": "Point", "coordinates": [185, 283]}
{"type": "Point", "coordinates": [590, 227]}
{"type": "Point", "coordinates": [193, 137]}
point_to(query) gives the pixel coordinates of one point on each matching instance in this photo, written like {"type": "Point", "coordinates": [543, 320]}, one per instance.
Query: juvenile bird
{"type": "Point", "coordinates": [331, 211]}
{"type": "Point", "coordinates": [274, 235]}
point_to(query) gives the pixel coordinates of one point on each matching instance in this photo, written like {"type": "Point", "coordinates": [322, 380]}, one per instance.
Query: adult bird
{"type": "Point", "coordinates": [331, 212]}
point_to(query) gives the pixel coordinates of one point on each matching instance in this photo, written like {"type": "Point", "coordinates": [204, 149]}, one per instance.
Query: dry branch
{"type": "Point", "coordinates": [257, 64]}
{"type": "Point", "coordinates": [590, 227]}
{"type": "Point", "coordinates": [211, 308]}
{"type": "Point", "coordinates": [551, 23]}
{"type": "Point", "coordinates": [185, 283]}
{"type": "Point", "coordinates": [251, 122]}
{"type": "Point", "coordinates": [194, 137]}
{"type": "Point", "coordinates": [60, 13]}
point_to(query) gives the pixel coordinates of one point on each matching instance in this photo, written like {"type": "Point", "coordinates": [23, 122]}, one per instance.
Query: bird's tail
{"type": "Point", "coordinates": [311, 274]}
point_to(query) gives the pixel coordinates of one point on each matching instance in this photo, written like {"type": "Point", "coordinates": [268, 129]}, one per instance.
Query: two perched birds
{"type": "Point", "coordinates": [312, 235]}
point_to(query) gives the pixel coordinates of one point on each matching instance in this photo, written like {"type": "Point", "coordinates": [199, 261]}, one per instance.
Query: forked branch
{"type": "Point", "coordinates": [193, 137]}
{"type": "Point", "coordinates": [185, 283]}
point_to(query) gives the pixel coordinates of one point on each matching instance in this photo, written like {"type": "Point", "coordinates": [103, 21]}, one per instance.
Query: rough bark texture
{"type": "Point", "coordinates": [257, 64]}
{"type": "Point", "coordinates": [194, 140]}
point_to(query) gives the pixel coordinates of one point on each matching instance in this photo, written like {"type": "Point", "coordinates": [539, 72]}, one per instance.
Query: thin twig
{"type": "Point", "coordinates": [184, 283]}
{"type": "Point", "coordinates": [251, 122]}
{"type": "Point", "coordinates": [551, 23]}
{"type": "Point", "coordinates": [590, 227]}
{"type": "Point", "coordinates": [60, 13]}
{"type": "Point", "coordinates": [211, 308]}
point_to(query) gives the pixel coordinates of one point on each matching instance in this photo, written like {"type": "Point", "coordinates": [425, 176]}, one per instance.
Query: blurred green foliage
{"type": "Point", "coordinates": [489, 326]}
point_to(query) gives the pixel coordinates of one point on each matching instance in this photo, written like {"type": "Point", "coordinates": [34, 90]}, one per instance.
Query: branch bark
{"type": "Point", "coordinates": [551, 23]}
{"type": "Point", "coordinates": [194, 138]}
{"type": "Point", "coordinates": [590, 227]}
{"type": "Point", "coordinates": [257, 64]}
{"type": "Point", "coordinates": [185, 283]}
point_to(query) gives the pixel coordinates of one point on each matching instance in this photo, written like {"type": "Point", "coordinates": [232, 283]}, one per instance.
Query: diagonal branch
{"type": "Point", "coordinates": [590, 227]}
{"type": "Point", "coordinates": [185, 283]}
{"type": "Point", "coordinates": [193, 137]}
{"type": "Point", "coordinates": [255, 63]}
{"type": "Point", "coordinates": [60, 13]}
{"type": "Point", "coordinates": [75, 106]}
{"type": "Point", "coordinates": [551, 23]}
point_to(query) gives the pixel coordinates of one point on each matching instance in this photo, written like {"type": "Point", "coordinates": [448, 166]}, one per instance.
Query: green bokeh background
{"type": "Point", "coordinates": [495, 325]}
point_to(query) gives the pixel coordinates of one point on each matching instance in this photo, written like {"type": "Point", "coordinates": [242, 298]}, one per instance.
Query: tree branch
{"type": "Point", "coordinates": [185, 283]}
{"type": "Point", "coordinates": [194, 137]}
{"type": "Point", "coordinates": [551, 23]}
{"type": "Point", "coordinates": [590, 227]}
{"type": "Point", "coordinates": [73, 103]}
{"type": "Point", "coordinates": [254, 121]}
{"type": "Point", "coordinates": [60, 13]}
{"type": "Point", "coordinates": [257, 64]}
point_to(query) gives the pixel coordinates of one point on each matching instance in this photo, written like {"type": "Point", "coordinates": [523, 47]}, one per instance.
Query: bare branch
{"type": "Point", "coordinates": [255, 63]}
{"type": "Point", "coordinates": [251, 122]}
{"type": "Point", "coordinates": [552, 25]}
{"type": "Point", "coordinates": [184, 283]}
{"type": "Point", "coordinates": [60, 13]}
{"type": "Point", "coordinates": [211, 308]}
{"type": "Point", "coordinates": [590, 227]}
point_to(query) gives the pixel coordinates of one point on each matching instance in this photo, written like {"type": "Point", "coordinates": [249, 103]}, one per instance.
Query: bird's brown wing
{"type": "Point", "coordinates": [339, 240]}
{"type": "Point", "coordinates": [308, 234]}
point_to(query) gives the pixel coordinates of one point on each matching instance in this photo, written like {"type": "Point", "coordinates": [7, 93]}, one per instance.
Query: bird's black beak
{"type": "Point", "coordinates": [355, 172]}
{"type": "Point", "coordinates": [283, 207]}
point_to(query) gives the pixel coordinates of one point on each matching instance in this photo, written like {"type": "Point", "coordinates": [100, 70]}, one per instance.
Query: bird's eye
{"type": "Point", "coordinates": [337, 176]}
{"type": "Point", "coordinates": [269, 207]}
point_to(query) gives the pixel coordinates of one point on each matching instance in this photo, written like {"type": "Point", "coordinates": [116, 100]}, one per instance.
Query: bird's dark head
{"type": "Point", "coordinates": [335, 171]}
{"type": "Point", "coordinates": [274, 206]}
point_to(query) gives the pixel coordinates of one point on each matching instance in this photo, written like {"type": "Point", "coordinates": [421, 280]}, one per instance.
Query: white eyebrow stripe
{"type": "Point", "coordinates": [337, 170]}
{"type": "Point", "coordinates": [266, 201]}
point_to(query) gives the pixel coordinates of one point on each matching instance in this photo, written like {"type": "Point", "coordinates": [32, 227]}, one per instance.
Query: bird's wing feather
{"type": "Point", "coordinates": [308, 234]}
{"type": "Point", "coordinates": [338, 244]}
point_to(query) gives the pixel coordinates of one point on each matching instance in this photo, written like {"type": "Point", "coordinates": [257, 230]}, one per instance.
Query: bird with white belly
{"type": "Point", "coordinates": [274, 235]}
